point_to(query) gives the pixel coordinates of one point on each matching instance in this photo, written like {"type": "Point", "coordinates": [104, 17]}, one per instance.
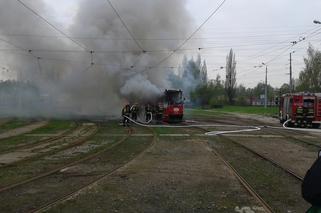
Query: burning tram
{"type": "Point", "coordinates": [169, 107]}
{"type": "Point", "coordinates": [303, 109]}
{"type": "Point", "coordinates": [173, 106]}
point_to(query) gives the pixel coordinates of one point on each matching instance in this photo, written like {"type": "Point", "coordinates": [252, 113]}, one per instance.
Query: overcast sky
{"type": "Point", "coordinates": [257, 30]}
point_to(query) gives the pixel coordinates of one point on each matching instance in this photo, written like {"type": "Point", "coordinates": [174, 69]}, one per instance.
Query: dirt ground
{"type": "Point", "coordinates": [20, 154]}
{"type": "Point", "coordinates": [180, 175]}
{"type": "Point", "coordinates": [180, 172]}
{"type": "Point", "coordinates": [23, 130]}
{"type": "Point", "coordinates": [290, 155]}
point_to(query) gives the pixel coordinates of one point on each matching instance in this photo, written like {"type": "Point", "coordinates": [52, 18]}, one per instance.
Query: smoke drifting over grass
{"type": "Point", "coordinates": [67, 81]}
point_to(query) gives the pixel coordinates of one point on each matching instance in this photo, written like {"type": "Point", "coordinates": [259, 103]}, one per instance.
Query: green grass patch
{"type": "Point", "coordinates": [13, 124]}
{"type": "Point", "coordinates": [14, 142]}
{"type": "Point", "coordinates": [55, 159]}
{"type": "Point", "coordinates": [280, 190]}
{"type": "Point", "coordinates": [257, 110]}
{"type": "Point", "coordinates": [54, 126]}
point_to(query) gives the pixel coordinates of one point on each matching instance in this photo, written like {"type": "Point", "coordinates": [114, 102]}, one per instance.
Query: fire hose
{"type": "Point", "coordinates": [299, 129]}
{"type": "Point", "coordinates": [210, 133]}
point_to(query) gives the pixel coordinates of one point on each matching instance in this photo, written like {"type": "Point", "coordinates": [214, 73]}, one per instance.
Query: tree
{"type": "Point", "coordinates": [191, 74]}
{"type": "Point", "coordinates": [211, 93]}
{"type": "Point", "coordinates": [241, 94]}
{"type": "Point", "coordinates": [285, 88]}
{"type": "Point", "coordinates": [204, 73]}
{"type": "Point", "coordinates": [230, 82]}
{"type": "Point", "coordinates": [310, 77]}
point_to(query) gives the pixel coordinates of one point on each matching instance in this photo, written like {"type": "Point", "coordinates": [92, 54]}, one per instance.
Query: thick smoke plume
{"type": "Point", "coordinates": [72, 81]}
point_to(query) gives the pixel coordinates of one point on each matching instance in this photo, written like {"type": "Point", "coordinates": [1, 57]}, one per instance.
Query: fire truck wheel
{"type": "Point", "coordinates": [316, 126]}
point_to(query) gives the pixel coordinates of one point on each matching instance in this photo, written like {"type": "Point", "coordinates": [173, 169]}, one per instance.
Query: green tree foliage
{"type": "Point", "coordinates": [230, 82]}
{"type": "Point", "coordinates": [242, 95]}
{"type": "Point", "coordinates": [191, 75]}
{"type": "Point", "coordinates": [210, 94]}
{"type": "Point", "coordinates": [285, 88]}
{"type": "Point", "coordinates": [310, 77]}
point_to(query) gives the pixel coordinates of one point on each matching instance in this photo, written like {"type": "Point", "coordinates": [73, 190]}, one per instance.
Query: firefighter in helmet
{"type": "Point", "coordinates": [159, 111]}
{"type": "Point", "coordinates": [126, 114]}
{"type": "Point", "coordinates": [148, 112]}
{"type": "Point", "coordinates": [134, 112]}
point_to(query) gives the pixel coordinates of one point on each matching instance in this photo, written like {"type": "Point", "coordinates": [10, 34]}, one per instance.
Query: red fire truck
{"type": "Point", "coordinates": [303, 109]}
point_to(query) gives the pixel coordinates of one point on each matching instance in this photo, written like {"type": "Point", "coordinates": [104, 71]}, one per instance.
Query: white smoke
{"type": "Point", "coordinates": [140, 85]}
{"type": "Point", "coordinates": [120, 70]}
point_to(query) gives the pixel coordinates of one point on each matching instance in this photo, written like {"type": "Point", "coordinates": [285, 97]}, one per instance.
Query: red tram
{"type": "Point", "coordinates": [173, 102]}
{"type": "Point", "coordinates": [303, 109]}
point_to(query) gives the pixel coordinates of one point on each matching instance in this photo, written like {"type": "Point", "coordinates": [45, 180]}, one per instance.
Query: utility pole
{"type": "Point", "coordinates": [265, 89]}
{"type": "Point", "coordinates": [291, 87]}
{"type": "Point", "coordinates": [291, 82]}
{"type": "Point", "coordinates": [265, 95]}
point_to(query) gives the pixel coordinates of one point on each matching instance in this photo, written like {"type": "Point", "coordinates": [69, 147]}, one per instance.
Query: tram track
{"type": "Point", "coordinates": [290, 172]}
{"type": "Point", "coordinates": [248, 186]}
{"type": "Point", "coordinates": [270, 160]}
{"type": "Point", "coordinates": [46, 140]}
{"type": "Point", "coordinates": [266, 176]}
{"type": "Point", "coordinates": [45, 174]}
{"type": "Point", "coordinates": [51, 146]}
{"type": "Point", "coordinates": [244, 183]}
{"type": "Point", "coordinates": [56, 170]}
{"type": "Point", "coordinates": [73, 193]}
{"type": "Point", "coordinates": [85, 179]}
{"type": "Point", "coordinates": [289, 136]}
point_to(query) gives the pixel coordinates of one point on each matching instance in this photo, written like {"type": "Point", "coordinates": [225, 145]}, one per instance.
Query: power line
{"type": "Point", "coordinates": [20, 48]}
{"type": "Point", "coordinates": [125, 25]}
{"type": "Point", "coordinates": [192, 34]}
{"type": "Point", "coordinates": [136, 51]}
{"type": "Point", "coordinates": [272, 48]}
{"type": "Point", "coordinates": [50, 24]}
{"type": "Point", "coordinates": [152, 39]}
{"type": "Point", "coordinates": [285, 49]}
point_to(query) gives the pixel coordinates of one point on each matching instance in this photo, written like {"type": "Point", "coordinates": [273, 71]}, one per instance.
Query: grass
{"type": "Point", "coordinates": [281, 191]}
{"type": "Point", "coordinates": [54, 126]}
{"type": "Point", "coordinates": [257, 110]}
{"type": "Point", "coordinates": [55, 186]}
{"type": "Point", "coordinates": [12, 124]}
{"type": "Point", "coordinates": [33, 167]}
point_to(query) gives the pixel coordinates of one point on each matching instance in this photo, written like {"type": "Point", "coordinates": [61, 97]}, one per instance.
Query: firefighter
{"type": "Point", "coordinates": [311, 186]}
{"type": "Point", "coordinates": [126, 112]}
{"type": "Point", "coordinates": [134, 112]}
{"type": "Point", "coordinates": [148, 112]}
{"type": "Point", "coordinates": [159, 111]}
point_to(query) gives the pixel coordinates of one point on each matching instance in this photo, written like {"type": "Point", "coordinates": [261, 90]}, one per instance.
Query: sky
{"type": "Point", "coordinates": [257, 31]}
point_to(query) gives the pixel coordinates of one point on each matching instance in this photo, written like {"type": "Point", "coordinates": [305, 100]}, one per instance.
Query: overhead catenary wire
{"type": "Point", "coordinates": [181, 50]}
{"type": "Point", "coordinates": [52, 25]}
{"type": "Point", "coordinates": [287, 48]}
{"type": "Point", "coordinates": [191, 35]}
{"type": "Point", "coordinates": [125, 25]}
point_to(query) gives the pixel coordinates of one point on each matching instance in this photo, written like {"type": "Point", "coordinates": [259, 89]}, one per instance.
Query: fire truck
{"type": "Point", "coordinates": [303, 109]}
{"type": "Point", "coordinates": [171, 106]}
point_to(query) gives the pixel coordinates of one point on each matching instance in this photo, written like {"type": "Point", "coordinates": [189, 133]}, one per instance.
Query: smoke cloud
{"type": "Point", "coordinates": [68, 81]}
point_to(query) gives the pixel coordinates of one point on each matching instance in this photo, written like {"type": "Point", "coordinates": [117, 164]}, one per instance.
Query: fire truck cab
{"type": "Point", "coordinates": [303, 109]}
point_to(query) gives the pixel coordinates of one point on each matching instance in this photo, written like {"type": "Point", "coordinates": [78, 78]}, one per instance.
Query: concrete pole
{"type": "Point", "coordinates": [291, 86]}
{"type": "Point", "coordinates": [265, 95]}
